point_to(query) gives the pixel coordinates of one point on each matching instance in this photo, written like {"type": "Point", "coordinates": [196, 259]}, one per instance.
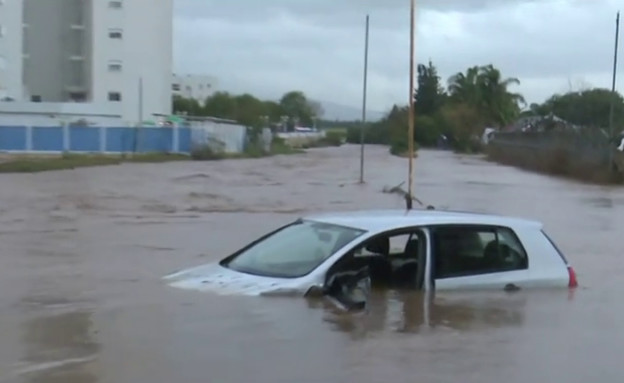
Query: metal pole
{"type": "Point", "coordinates": [364, 103]}
{"type": "Point", "coordinates": [140, 116]}
{"type": "Point", "coordinates": [410, 135]}
{"type": "Point", "coordinates": [140, 101]}
{"type": "Point", "coordinates": [611, 107]}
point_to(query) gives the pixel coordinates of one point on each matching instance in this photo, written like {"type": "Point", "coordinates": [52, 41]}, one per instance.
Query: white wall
{"type": "Point", "coordinates": [231, 136]}
{"type": "Point", "coordinates": [11, 49]}
{"type": "Point", "coordinates": [149, 50]}
{"type": "Point", "coordinates": [106, 49]}
{"type": "Point", "coordinates": [145, 51]}
{"type": "Point", "coordinates": [53, 114]}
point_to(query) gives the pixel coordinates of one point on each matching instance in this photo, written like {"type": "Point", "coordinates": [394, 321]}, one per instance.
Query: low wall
{"type": "Point", "coordinates": [301, 139]}
{"type": "Point", "coordinates": [79, 139]}
{"type": "Point", "coordinates": [581, 155]}
{"type": "Point", "coordinates": [229, 138]}
{"type": "Point", "coordinates": [54, 139]}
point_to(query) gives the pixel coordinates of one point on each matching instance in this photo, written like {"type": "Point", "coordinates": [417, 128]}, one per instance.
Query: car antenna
{"type": "Point", "coordinates": [409, 200]}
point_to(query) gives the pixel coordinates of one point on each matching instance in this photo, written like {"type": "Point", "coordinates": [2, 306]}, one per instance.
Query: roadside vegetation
{"type": "Point", "coordinates": [471, 100]}
{"type": "Point", "coordinates": [41, 163]}
{"type": "Point", "coordinates": [292, 109]}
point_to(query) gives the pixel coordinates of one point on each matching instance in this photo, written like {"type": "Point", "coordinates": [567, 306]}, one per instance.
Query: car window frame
{"type": "Point", "coordinates": [349, 248]}
{"type": "Point", "coordinates": [484, 227]}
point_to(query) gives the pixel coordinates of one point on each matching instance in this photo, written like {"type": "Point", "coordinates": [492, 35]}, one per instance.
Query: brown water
{"type": "Point", "coordinates": [82, 253]}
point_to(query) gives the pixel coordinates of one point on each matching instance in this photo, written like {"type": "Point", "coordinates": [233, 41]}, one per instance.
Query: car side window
{"type": "Point", "coordinates": [465, 250]}
{"type": "Point", "coordinates": [397, 245]}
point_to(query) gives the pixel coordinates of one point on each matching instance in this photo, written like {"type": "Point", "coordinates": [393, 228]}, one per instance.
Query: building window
{"type": "Point", "coordinates": [175, 87]}
{"type": "Point", "coordinates": [114, 96]}
{"type": "Point", "coordinates": [115, 33]}
{"type": "Point", "coordinates": [78, 96]}
{"type": "Point", "coordinates": [114, 66]}
{"type": "Point", "coordinates": [35, 98]}
{"type": "Point", "coordinates": [115, 4]}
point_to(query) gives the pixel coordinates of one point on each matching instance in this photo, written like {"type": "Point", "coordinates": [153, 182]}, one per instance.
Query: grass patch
{"type": "Point", "coordinates": [154, 157]}
{"type": "Point", "coordinates": [39, 163]}
{"type": "Point", "coordinates": [42, 163]}
{"type": "Point", "coordinates": [400, 149]}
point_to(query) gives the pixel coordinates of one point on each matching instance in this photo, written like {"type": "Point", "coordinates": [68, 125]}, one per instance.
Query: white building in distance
{"type": "Point", "coordinates": [198, 87]}
{"type": "Point", "coordinates": [113, 57]}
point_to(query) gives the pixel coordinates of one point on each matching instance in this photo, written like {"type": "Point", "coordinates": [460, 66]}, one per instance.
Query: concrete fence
{"type": "Point", "coordinates": [589, 147]}
{"type": "Point", "coordinates": [299, 139]}
{"type": "Point", "coordinates": [78, 139]}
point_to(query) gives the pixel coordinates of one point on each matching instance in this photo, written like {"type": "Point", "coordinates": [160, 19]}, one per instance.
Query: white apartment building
{"type": "Point", "coordinates": [112, 55]}
{"type": "Point", "coordinates": [198, 87]}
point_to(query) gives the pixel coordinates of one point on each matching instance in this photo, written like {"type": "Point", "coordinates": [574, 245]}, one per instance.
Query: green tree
{"type": "Point", "coordinates": [296, 106]}
{"type": "Point", "coordinates": [429, 95]}
{"type": "Point", "coordinates": [222, 105]}
{"type": "Point", "coordinates": [273, 110]}
{"type": "Point", "coordinates": [186, 106]}
{"type": "Point", "coordinates": [500, 105]}
{"type": "Point", "coordinates": [249, 110]}
{"type": "Point", "coordinates": [464, 87]}
{"type": "Point", "coordinates": [485, 90]}
{"type": "Point", "coordinates": [588, 108]}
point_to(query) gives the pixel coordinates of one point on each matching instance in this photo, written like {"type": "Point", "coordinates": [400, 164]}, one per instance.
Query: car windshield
{"type": "Point", "coordinates": [294, 250]}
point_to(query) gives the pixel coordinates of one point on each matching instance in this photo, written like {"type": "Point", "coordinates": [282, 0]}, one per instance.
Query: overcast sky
{"type": "Point", "coordinates": [268, 47]}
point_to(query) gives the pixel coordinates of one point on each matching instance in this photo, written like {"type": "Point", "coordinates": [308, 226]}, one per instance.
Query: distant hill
{"type": "Point", "coordinates": [333, 111]}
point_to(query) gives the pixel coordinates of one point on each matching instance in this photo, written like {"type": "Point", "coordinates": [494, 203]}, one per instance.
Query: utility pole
{"type": "Point", "coordinates": [611, 107]}
{"type": "Point", "coordinates": [140, 101]}
{"type": "Point", "coordinates": [364, 102]}
{"type": "Point", "coordinates": [410, 138]}
{"type": "Point", "coordinates": [140, 116]}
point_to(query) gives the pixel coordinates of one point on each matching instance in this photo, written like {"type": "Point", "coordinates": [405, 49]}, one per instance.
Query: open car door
{"type": "Point", "coordinates": [394, 260]}
{"type": "Point", "coordinates": [348, 283]}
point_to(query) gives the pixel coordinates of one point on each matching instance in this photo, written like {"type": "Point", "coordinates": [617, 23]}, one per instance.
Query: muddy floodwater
{"type": "Point", "coordinates": [82, 253]}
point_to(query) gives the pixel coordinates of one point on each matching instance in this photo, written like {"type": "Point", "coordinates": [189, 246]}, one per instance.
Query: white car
{"type": "Point", "coordinates": [417, 249]}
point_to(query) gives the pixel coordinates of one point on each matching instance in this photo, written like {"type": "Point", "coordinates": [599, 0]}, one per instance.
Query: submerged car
{"type": "Point", "coordinates": [333, 254]}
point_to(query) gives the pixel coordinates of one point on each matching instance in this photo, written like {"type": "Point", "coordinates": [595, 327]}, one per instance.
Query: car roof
{"type": "Point", "coordinates": [383, 220]}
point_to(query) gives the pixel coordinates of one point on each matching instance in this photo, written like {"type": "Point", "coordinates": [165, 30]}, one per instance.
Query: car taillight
{"type": "Point", "coordinates": [573, 282]}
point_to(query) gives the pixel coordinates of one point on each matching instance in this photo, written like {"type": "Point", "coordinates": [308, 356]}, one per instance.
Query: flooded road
{"type": "Point", "coordinates": [82, 253]}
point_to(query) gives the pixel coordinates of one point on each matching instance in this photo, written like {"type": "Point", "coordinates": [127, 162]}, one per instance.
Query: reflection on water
{"type": "Point", "coordinates": [413, 311]}
{"type": "Point", "coordinates": [59, 348]}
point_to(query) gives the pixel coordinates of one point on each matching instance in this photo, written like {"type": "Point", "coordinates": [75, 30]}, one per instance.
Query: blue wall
{"type": "Point", "coordinates": [47, 138]}
{"type": "Point", "coordinates": [12, 138]}
{"type": "Point", "coordinates": [89, 139]}
{"type": "Point", "coordinates": [83, 139]}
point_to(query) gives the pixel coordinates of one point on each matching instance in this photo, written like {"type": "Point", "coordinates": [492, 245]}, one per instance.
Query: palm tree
{"type": "Point", "coordinates": [484, 88]}
{"type": "Point", "coordinates": [465, 87]}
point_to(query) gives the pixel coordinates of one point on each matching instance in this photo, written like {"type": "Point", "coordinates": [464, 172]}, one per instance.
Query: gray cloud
{"type": "Point", "coordinates": [272, 46]}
